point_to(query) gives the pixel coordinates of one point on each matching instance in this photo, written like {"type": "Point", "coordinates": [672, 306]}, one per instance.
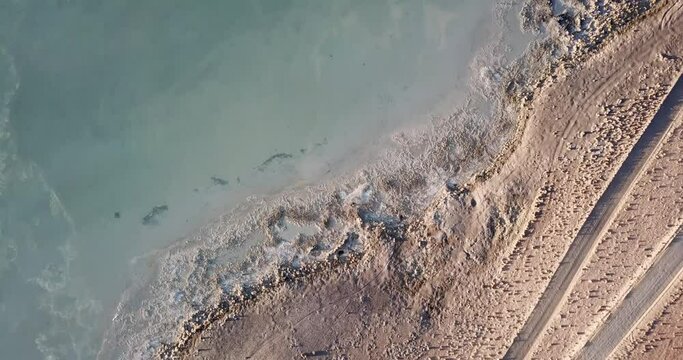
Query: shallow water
{"type": "Point", "coordinates": [112, 109]}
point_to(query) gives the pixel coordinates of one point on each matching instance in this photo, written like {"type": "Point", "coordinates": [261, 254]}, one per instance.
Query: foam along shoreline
{"type": "Point", "coordinates": [242, 249]}
{"type": "Point", "coordinates": [355, 215]}
{"type": "Point", "coordinates": [462, 284]}
{"type": "Point", "coordinates": [135, 105]}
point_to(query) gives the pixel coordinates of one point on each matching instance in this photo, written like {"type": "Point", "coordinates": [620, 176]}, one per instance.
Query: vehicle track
{"type": "Point", "coordinates": [667, 26]}
{"type": "Point", "coordinates": [637, 303]}
{"type": "Point", "coordinates": [596, 224]}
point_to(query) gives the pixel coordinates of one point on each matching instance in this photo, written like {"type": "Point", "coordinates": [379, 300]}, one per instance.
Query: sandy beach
{"type": "Point", "coordinates": [341, 179]}
{"type": "Point", "coordinates": [568, 224]}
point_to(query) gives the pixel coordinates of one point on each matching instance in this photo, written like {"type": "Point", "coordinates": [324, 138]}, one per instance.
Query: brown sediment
{"type": "Point", "coordinates": [459, 278]}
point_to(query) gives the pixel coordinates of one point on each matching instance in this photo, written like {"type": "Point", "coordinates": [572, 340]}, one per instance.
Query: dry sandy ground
{"type": "Point", "coordinates": [659, 336]}
{"type": "Point", "coordinates": [472, 277]}
{"type": "Point", "coordinates": [638, 213]}
{"type": "Point", "coordinates": [638, 302]}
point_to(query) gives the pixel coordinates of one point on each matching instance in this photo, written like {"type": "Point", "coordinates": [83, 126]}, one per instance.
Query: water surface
{"type": "Point", "coordinates": [111, 109]}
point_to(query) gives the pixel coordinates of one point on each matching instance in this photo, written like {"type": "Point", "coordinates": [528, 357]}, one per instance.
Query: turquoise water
{"type": "Point", "coordinates": [111, 109]}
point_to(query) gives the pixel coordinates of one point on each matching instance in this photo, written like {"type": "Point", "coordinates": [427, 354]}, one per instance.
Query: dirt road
{"type": "Point", "coordinates": [596, 224]}
{"type": "Point", "coordinates": [665, 271]}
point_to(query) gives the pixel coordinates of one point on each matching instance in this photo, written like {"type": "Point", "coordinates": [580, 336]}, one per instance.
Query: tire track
{"type": "Point", "coordinates": [671, 15]}
{"type": "Point", "coordinates": [637, 303]}
{"type": "Point", "coordinates": [596, 224]}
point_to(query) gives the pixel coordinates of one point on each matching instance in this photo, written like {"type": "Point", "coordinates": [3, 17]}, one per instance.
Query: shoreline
{"type": "Point", "coordinates": [264, 212]}
{"type": "Point", "coordinates": [382, 232]}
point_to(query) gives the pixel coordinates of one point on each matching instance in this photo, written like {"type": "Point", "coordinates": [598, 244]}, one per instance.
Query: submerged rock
{"type": "Point", "coordinates": [151, 217]}
{"type": "Point", "coordinates": [218, 181]}
{"type": "Point", "coordinates": [270, 160]}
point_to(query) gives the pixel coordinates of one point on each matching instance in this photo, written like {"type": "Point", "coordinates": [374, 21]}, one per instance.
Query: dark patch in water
{"type": "Point", "coordinates": [151, 217]}
{"type": "Point", "coordinates": [278, 156]}
{"type": "Point", "coordinates": [218, 181]}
